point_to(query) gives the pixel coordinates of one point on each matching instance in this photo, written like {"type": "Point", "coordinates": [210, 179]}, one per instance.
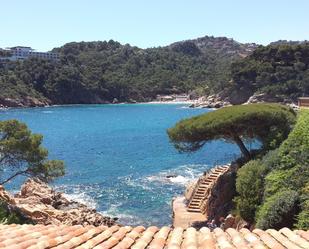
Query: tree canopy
{"type": "Point", "coordinates": [268, 123]}
{"type": "Point", "coordinates": [280, 71]}
{"type": "Point", "coordinates": [21, 153]}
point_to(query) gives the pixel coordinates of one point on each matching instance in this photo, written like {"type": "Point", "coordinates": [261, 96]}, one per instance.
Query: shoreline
{"type": "Point", "coordinates": [121, 103]}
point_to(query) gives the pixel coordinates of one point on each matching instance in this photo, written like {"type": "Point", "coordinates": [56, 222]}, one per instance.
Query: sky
{"type": "Point", "coordinates": [45, 24]}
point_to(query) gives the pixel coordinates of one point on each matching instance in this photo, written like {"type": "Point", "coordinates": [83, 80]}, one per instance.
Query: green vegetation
{"type": "Point", "coordinates": [280, 71]}
{"type": "Point", "coordinates": [98, 72]}
{"type": "Point", "coordinates": [268, 123]}
{"type": "Point", "coordinates": [21, 153]}
{"type": "Point", "coordinates": [250, 189]}
{"type": "Point", "coordinates": [272, 190]}
{"type": "Point", "coordinates": [9, 216]}
{"type": "Point", "coordinates": [284, 190]}
{"type": "Point", "coordinates": [278, 210]}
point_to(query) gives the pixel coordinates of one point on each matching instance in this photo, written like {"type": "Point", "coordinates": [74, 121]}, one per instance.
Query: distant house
{"type": "Point", "coordinates": [303, 102]}
{"type": "Point", "coordinates": [22, 53]}
{"type": "Point", "coordinates": [165, 98]}
{"type": "Point", "coordinates": [181, 97]}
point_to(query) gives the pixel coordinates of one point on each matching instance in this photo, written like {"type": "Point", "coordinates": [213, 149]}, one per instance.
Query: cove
{"type": "Point", "coordinates": [118, 157]}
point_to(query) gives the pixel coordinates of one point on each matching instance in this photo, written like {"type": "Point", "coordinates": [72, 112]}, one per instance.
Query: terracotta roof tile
{"type": "Point", "coordinates": [222, 239]}
{"type": "Point", "coordinates": [303, 234]}
{"type": "Point", "coordinates": [146, 238]}
{"type": "Point", "coordinates": [206, 238]}
{"type": "Point", "coordinates": [253, 240]}
{"type": "Point", "coordinates": [66, 237]}
{"type": "Point", "coordinates": [268, 240]}
{"type": "Point", "coordinates": [160, 238]}
{"type": "Point", "coordinates": [295, 238]}
{"type": "Point", "coordinates": [283, 240]}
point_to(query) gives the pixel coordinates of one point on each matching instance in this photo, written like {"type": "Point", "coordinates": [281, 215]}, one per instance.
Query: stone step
{"type": "Point", "coordinates": [200, 192]}
{"type": "Point", "coordinates": [197, 198]}
{"type": "Point", "coordinates": [206, 180]}
{"type": "Point", "coordinates": [212, 178]}
{"type": "Point", "coordinates": [194, 210]}
{"type": "Point", "coordinates": [204, 185]}
{"type": "Point", "coordinates": [194, 204]}
{"type": "Point", "coordinates": [203, 188]}
{"type": "Point", "coordinates": [195, 201]}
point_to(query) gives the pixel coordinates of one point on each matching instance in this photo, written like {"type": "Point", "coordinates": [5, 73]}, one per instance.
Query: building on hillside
{"type": "Point", "coordinates": [165, 98]}
{"type": "Point", "coordinates": [303, 102]}
{"type": "Point", "coordinates": [22, 53]}
{"type": "Point", "coordinates": [183, 97]}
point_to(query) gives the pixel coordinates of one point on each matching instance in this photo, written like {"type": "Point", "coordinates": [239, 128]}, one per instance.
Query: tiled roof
{"type": "Point", "coordinates": [65, 237]}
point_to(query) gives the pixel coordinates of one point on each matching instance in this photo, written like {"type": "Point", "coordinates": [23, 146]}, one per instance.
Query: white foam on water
{"type": "Point", "coordinates": [181, 175]}
{"type": "Point", "coordinates": [179, 179]}
{"type": "Point", "coordinates": [79, 194]}
{"type": "Point", "coordinates": [123, 216]}
{"type": "Point", "coordinates": [82, 198]}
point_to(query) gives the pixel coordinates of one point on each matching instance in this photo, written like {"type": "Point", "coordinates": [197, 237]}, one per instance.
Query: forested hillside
{"type": "Point", "coordinates": [280, 71]}
{"type": "Point", "coordinates": [99, 72]}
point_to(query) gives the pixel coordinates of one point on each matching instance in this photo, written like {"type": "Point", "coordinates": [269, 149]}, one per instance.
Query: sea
{"type": "Point", "coordinates": [119, 159]}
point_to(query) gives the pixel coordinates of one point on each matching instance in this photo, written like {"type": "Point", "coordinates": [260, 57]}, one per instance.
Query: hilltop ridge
{"type": "Point", "coordinates": [110, 72]}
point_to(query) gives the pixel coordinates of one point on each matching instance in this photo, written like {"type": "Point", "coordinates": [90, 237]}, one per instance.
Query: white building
{"type": "Point", "coordinates": [21, 53]}
{"type": "Point", "coordinates": [182, 97]}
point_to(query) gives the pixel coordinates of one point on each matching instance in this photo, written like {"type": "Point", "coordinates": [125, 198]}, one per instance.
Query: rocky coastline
{"type": "Point", "coordinates": [24, 102]}
{"type": "Point", "coordinates": [40, 204]}
{"type": "Point", "coordinates": [212, 101]}
{"type": "Point", "coordinates": [219, 101]}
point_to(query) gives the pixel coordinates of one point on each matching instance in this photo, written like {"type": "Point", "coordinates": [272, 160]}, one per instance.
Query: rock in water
{"type": "Point", "coordinates": [43, 205]}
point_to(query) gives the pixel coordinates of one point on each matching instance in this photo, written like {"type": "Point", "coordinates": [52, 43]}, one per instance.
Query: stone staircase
{"type": "Point", "coordinates": [197, 202]}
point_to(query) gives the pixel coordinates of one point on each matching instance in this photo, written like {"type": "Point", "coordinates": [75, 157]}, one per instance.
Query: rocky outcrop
{"type": "Point", "coordinates": [263, 97]}
{"type": "Point", "coordinates": [221, 46]}
{"type": "Point", "coordinates": [23, 102]}
{"type": "Point", "coordinates": [212, 101]}
{"type": "Point", "coordinates": [235, 222]}
{"type": "Point", "coordinates": [42, 205]}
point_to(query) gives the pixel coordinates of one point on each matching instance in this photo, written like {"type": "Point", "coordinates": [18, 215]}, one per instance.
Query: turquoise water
{"type": "Point", "coordinates": [118, 156]}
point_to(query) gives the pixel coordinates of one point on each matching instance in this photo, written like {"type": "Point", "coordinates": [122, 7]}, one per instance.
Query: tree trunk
{"type": "Point", "coordinates": [11, 177]}
{"type": "Point", "coordinates": [242, 147]}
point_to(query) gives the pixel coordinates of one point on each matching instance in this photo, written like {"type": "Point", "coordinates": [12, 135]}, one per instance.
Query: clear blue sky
{"type": "Point", "coordinates": [44, 24]}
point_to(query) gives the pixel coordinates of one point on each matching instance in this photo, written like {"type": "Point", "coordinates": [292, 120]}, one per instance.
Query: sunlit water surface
{"type": "Point", "coordinates": [118, 157]}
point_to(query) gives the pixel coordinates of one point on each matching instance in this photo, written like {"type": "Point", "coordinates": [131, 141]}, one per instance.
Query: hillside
{"type": "Point", "coordinates": [99, 72]}
{"type": "Point", "coordinates": [279, 72]}
{"type": "Point", "coordinates": [274, 190]}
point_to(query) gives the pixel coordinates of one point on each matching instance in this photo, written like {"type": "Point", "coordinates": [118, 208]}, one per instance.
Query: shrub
{"type": "Point", "coordinates": [8, 216]}
{"type": "Point", "coordinates": [290, 172]}
{"type": "Point", "coordinates": [303, 217]}
{"type": "Point", "coordinates": [250, 187]}
{"type": "Point", "coordinates": [278, 210]}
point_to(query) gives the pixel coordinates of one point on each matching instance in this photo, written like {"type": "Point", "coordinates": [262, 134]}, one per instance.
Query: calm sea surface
{"type": "Point", "coordinates": [118, 157]}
